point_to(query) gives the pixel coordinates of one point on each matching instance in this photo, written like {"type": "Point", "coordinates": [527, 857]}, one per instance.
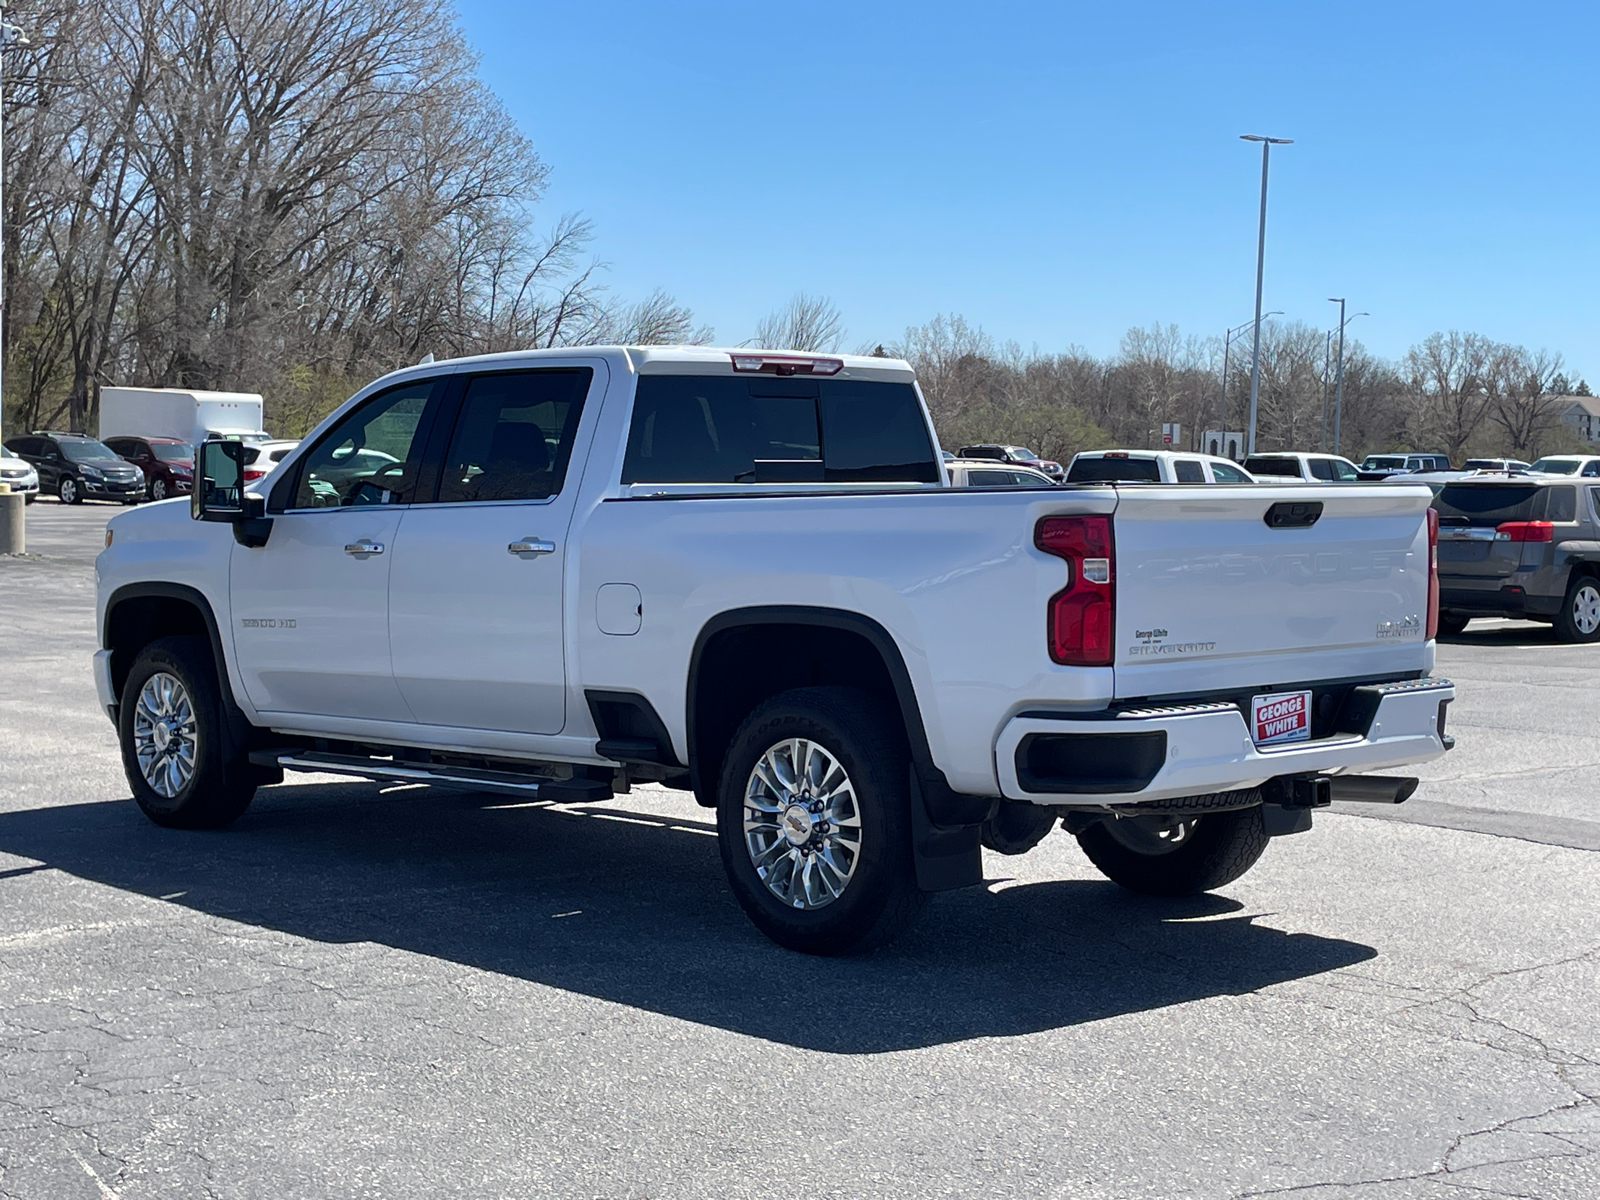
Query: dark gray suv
{"type": "Point", "coordinates": [1520, 546]}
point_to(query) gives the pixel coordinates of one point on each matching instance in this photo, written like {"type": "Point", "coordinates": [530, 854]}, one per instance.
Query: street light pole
{"type": "Point", "coordinates": [1338, 403]}
{"type": "Point", "coordinates": [1267, 143]}
{"type": "Point", "coordinates": [10, 36]}
{"type": "Point", "coordinates": [1327, 353]}
{"type": "Point", "coordinates": [1222, 401]}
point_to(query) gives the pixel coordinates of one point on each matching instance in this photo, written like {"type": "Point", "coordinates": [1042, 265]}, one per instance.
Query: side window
{"type": "Point", "coordinates": [982, 478]}
{"type": "Point", "coordinates": [1223, 473]}
{"type": "Point", "coordinates": [1189, 470]}
{"type": "Point", "coordinates": [1342, 471]}
{"type": "Point", "coordinates": [1592, 469]}
{"type": "Point", "coordinates": [1594, 503]}
{"type": "Point", "coordinates": [1322, 468]}
{"type": "Point", "coordinates": [1562, 504]}
{"type": "Point", "coordinates": [1026, 479]}
{"type": "Point", "coordinates": [513, 437]}
{"type": "Point", "coordinates": [120, 446]}
{"type": "Point", "coordinates": [372, 456]}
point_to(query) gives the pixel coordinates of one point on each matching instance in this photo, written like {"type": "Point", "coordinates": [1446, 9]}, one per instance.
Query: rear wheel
{"type": "Point", "coordinates": [1451, 624]}
{"type": "Point", "coordinates": [174, 752]}
{"type": "Point", "coordinates": [1579, 617]}
{"type": "Point", "coordinates": [1176, 855]}
{"type": "Point", "coordinates": [814, 821]}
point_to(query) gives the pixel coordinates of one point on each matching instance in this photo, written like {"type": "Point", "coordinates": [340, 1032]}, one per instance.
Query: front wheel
{"type": "Point", "coordinates": [174, 752]}
{"type": "Point", "coordinates": [814, 821]}
{"type": "Point", "coordinates": [1579, 617]}
{"type": "Point", "coordinates": [69, 491]}
{"type": "Point", "coordinates": [1173, 855]}
{"type": "Point", "coordinates": [158, 490]}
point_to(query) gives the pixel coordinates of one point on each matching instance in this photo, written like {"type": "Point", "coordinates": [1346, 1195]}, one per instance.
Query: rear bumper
{"type": "Point", "coordinates": [1165, 753]}
{"type": "Point", "coordinates": [1497, 600]}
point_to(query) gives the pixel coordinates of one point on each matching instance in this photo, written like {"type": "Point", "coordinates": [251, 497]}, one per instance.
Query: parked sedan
{"type": "Point", "coordinates": [76, 468]}
{"type": "Point", "coordinates": [1019, 455]}
{"type": "Point", "coordinates": [167, 463]}
{"type": "Point", "coordinates": [20, 476]}
{"type": "Point", "coordinates": [988, 473]}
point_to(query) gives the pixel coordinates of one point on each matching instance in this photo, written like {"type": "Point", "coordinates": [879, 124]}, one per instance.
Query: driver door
{"type": "Point", "coordinates": [310, 609]}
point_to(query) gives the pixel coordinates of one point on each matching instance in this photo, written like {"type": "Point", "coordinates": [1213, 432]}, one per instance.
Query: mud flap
{"type": "Point", "coordinates": [947, 856]}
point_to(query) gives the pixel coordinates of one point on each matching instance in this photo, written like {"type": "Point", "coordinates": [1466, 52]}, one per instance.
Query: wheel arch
{"type": "Point", "coordinates": [139, 613]}
{"type": "Point", "coordinates": [823, 646]}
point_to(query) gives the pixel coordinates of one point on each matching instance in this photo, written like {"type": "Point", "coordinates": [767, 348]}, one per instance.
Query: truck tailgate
{"type": "Point", "coordinates": [1210, 596]}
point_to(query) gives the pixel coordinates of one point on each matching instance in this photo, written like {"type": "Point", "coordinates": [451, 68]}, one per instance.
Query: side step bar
{"type": "Point", "coordinates": [568, 791]}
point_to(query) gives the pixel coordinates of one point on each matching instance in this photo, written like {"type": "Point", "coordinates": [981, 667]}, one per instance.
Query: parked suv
{"type": "Point", "coordinates": [167, 463]}
{"type": "Point", "coordinates": [985, 472]}
{"type": "Point", "coordinates": [19, 476]}
{"type": "Point", "coordinates": [1020, 455]}
{"type": "Point", "coordinates": [1520, 546]}
{"type": "Point", "coordinates": [1583, 465]}
{"type": "Point", "coordinates": [1309, 468]}
{"type": "Point", "coordinates": [76, 468]}
{"type": "Point", "coordinates": [1153, 466]}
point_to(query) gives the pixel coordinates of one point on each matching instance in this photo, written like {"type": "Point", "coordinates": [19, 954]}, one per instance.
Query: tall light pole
{"type": "Point", "coordinates": [1338, 403]}
{"type": "Point", "coordinates": [1222, 401]}
{"type": "Point", "coordinates": [1327, 353]}
{"type": "Point", "coordinates": [10, 36]}
{"type": "Point", "coordinates": [1267, 143]}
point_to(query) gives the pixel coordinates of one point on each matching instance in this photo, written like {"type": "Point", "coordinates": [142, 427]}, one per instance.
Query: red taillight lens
{"type": "Point", "coordinates": [1433, 573]}
{"type": "Point", "coordinates": [1525, 531]}
{"type": "Point", "coordinates": [253, 473]}
{"type": "Point", "coordinates": [1080, 620]}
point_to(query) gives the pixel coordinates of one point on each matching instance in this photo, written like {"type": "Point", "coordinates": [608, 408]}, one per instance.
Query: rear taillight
{"type": "Point", "coordinates": [253, 473]}
{"type": "Point", "coordinates": [1433, 573]}
{"type": "Point", "coordinates": [1524, 531]}
{"type": "Point", "coordinates": [1080, 620]}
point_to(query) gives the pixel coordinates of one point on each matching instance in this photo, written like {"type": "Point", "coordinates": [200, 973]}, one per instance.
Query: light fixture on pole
{"type": "Point", "coordinates": [1338, 402]}
{"type": "Point", "coordinates": [10, 36]}
{"type": "Point", "coordinates": [1267, 143]}
{"type": "Point", "coordinates": [1222, 401]}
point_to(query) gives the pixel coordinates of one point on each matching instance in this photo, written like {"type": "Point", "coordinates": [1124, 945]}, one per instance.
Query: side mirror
{"type": "Point", "coordinates": [218, 493]}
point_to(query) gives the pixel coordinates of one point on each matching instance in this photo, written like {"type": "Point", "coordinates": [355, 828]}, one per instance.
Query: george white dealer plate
{"type": "Point", "coordinates": [1281, 717]}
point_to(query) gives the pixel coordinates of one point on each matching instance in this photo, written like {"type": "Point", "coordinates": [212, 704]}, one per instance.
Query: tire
{"type": "Point", "coordinates": [31, 497]}
{"type": "Point", "coordinates": [1210, 850]}
{"type": "Point", "coordinates": [1452, 624]}
{"type": "Point", "coordinates": [1578, 619]}
{"type": "Point", "coordinates": [852, 884]}
{"type": "Point", "coordinates": [69, 490]}
{"type": "Point", "coordinates": [158, 489]}
{"type": "Point", "coordinates": [173, 685]}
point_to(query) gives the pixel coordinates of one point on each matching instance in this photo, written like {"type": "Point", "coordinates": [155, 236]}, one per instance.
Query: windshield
{"type": "Point", "coordinates": [1115, 470]}
{"type": "Point", "coordinates": [1557, 466]}
{"type": "Point", "coordinates": [87, 451]}
{"type": "Point", "coordinates": [1488, 503]}
{"type": "Point", "coordinates": [1022, 452]}
{"type": "Point", "coordinates": [173, 452]}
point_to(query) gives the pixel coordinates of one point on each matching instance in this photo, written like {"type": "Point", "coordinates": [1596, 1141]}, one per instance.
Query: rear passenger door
{"type": "Point", "coordinates": [476, 583]}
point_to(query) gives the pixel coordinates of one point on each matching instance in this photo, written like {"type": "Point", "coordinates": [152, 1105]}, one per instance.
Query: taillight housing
{"type": "Point", "coordinates": [1433, 573]}
{"type": "Point", "coordinates": [1524, 531]}
{"type": "Point", "coordinates": [1080, 621]}
{"type": "Point", "coordinates": [253, 473]}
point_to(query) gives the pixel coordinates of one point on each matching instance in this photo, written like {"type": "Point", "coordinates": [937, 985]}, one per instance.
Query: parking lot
{"type": "Point", "coordinates": [369, 990]}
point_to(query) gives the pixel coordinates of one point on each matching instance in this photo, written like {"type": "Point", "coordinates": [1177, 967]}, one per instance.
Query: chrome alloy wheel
{"type": "Point", "coordinates": [164, 734]}
{"type": "Point", "coordinates": [801, 824]}
{"type": "Point", "coordinates": [1586, 608]}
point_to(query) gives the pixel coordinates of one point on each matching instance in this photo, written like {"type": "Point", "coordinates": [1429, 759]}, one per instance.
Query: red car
{"type": "Point", "coordinates": [1020, 455]}
{"type": "Point", "coordinates": [167, 463]}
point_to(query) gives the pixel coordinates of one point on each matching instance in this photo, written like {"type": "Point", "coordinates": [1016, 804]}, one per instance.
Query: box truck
{"type": "Point", "coordinates": [179, 413]}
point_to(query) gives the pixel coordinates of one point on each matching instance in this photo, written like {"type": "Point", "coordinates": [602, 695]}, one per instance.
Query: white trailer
{"type": "Point", "coordinates": [179, 413]}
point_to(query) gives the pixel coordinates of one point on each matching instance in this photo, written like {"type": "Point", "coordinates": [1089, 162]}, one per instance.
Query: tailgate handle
{"type": "Point", "coordinates": [1293, 514]}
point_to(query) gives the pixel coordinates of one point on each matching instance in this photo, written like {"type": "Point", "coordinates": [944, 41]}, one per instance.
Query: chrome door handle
{"type": "Point", "coordinates": [363, 548]}
{"type": "Point", "coordinates": [531, 547]}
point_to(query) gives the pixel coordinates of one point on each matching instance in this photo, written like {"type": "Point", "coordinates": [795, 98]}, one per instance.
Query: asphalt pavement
{"type": "Point", "coordinates": [363, 990]}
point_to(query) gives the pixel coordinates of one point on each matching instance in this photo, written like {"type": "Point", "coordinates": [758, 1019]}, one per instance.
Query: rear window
{"type": "Point", "coordinates": [1557, 466]}
{"type": "Point", "coordinates": [1114, 470]}
{"type": "Point", "coordinates": [1287, 468]}
{"type": "Point", "coordinates": [720, 429]}
{"type": "Point", "coordinates": [1188, 470]}
{"type": "Point", "coordinates": [1491, 503]}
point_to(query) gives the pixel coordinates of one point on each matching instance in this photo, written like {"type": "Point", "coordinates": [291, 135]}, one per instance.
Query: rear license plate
{"type": "Point", "coordinates": [1281, 717]}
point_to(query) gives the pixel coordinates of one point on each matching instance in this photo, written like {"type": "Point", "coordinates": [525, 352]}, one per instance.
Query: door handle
{"type": "Point", "coordinates": [364, 548]}
{"type": "Point", "coordinates": [531, 547]}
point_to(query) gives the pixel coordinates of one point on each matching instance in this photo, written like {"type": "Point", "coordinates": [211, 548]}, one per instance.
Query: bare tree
{"type": "Point", "coordinates": [1523, 398]}
{"type": "Point", "coordinates": [805, 323]}
{"type": "Point", "coordinates": [1449, 374]}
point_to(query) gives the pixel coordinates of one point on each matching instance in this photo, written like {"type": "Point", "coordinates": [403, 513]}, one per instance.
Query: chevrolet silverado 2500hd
{"type": "Point", "coordinates": [556, 573]}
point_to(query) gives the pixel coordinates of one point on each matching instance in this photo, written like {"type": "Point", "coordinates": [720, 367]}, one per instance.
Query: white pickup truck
{"type": "Point", "coordinates": [557, 573]}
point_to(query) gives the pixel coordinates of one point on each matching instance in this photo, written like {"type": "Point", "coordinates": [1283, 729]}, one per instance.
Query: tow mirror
{"type": "Point", "coordinates": [218, 493]}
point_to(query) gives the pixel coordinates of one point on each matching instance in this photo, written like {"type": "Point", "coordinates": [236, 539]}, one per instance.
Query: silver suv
{"type": "Point", "coordinates": [1520, 546]}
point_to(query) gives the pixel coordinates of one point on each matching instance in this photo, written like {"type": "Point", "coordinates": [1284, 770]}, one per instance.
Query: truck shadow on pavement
{"type": "Point", "coordinates": [634, 910]}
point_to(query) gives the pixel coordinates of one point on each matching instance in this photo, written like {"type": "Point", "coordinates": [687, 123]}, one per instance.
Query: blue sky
{"type": "Point", "coordinates": [1059, 172]}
